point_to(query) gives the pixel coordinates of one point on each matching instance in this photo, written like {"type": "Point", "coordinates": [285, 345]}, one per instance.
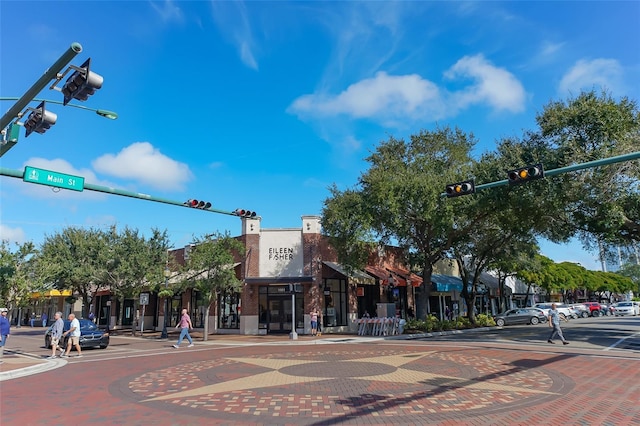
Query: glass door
{"type": "Point", "coordinates": [279, 314]}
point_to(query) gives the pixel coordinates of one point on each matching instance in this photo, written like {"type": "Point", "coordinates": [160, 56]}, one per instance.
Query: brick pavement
{"type": "Point", "coordinates": [355, 382]}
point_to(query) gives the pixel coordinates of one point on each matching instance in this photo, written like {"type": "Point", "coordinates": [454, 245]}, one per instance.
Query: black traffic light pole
{"type": "Point", "coordinates": [33, 91]}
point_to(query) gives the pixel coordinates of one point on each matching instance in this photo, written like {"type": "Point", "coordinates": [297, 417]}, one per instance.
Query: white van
{"type": "Point", "coordinates": [563, 310]}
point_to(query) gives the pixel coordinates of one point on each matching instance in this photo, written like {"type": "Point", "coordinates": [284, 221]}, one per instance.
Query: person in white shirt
{"type": "Point", "coordinates": [74, 336]}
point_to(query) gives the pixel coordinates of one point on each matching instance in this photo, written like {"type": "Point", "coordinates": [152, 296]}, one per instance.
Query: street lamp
{"type": "Point", "coordinates": [167, 274]}
{"type": "Point", "coordinates": [101, 112]}
{"type": "Point", "coordinates": [11, 133]}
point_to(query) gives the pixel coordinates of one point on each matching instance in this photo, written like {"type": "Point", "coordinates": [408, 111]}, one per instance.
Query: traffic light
{"type": "Point", "coordinates": [198, 204]}
{"type": "Point", "coordinates": [40, 120]}
{"type": "Point", "coordinates": [82, 83]}
{"type": "Point", "coordinates": [244, 213]}
{"type": "Point", "coordinates": [461, 188]}
{"type": "Point", "coordinates": [525, 174]}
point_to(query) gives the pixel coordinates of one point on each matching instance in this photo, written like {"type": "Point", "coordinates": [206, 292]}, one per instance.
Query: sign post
{"type": "Point", "coordinates": [144, 301]}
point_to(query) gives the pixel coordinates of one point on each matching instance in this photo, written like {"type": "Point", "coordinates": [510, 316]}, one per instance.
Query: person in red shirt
{"type": "Point", "coordinates": [185, 325]}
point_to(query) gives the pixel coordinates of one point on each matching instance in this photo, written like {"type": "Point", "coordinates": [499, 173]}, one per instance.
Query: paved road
{"type": "Point", "coordinates": [491, 377]}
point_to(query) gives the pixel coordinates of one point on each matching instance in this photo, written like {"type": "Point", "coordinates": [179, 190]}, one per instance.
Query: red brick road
{"type": "Point", "coordinates": [354, 382]}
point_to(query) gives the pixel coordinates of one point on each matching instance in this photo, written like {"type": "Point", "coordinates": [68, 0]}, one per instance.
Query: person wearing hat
{"type": "Point", "coordinates": [5, 329]}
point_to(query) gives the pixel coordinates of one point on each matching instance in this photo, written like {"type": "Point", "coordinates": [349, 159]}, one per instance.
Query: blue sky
{"type": "Point", "coordinates": [263, 105]}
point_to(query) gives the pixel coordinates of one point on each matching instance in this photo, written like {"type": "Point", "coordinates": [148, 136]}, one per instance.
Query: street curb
{"type": "Point", "coordinates": [45, 365]}
{"type": "Point", "coordinates": [438, 333]}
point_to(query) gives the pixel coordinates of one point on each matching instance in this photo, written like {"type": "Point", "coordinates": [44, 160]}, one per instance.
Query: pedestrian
{"type": "Point", "coordinates": [185, 325]}
{"type": "Point", "coordinates": [56, 334]}
{"type": "Point", "coordinates": [447, 313]}
{"type": "Point", "coordinates": [74, 336]}
{"type": "Point", "coordinates": [314, 323]}
{"type": "Point", "coordinates": [44, 319]}
{"type": "Point", "coordinates": [5, 330]}
{"type": "Point", "coordinates": [32, 321]}
{"type": "Point", "coordinates": [554, 323]}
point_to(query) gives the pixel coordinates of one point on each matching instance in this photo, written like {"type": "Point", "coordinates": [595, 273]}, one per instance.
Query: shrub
{"type": "Point", "coordinates": [484, 320]}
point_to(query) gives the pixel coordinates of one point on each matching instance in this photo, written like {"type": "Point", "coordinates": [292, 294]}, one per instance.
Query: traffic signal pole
{"type": "Point", "coordinates": [37, 87]}
{"type": "Point", "coordinates": [108, 190]}
{"type": "Point", "coordinates": [590, 164]}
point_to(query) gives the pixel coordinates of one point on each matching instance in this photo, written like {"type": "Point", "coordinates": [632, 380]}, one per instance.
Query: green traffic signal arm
{"type": "Point", "coordinates": [98, 188]}
{"type": "Point", "coordinates": [581, 166]}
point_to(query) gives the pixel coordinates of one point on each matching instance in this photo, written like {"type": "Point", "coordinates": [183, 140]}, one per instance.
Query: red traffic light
{"type": "Point", "coordinates": [198, 204]}
{"type": "Point", "coordinates": [244, 213]}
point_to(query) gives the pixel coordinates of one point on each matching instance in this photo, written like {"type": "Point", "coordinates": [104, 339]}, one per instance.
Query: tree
{"type": "Point", "coordinates": [132, 262]}
{"type": "Point", "coordinates": [74, 260]}
{"type": "Point", "coordinates": [17, 275]}
{"type": "Point", "coordinates": [399, 200]}
{"type": "Point", "coordinates": [603, 203]}
{"type": "Point", "coordinates": [210, 268]}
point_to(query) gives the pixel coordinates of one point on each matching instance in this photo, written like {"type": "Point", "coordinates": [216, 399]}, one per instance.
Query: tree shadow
{"type": "Point", "coordinates": [367, 404]}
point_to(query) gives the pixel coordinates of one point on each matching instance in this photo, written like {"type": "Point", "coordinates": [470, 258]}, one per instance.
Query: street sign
{"type": "Point", "coordinates": [144, 299]}
{"type": "Point", "coordinates": [50, 178]}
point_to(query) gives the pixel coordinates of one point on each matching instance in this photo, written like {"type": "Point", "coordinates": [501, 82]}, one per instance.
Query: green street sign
{"type": "Point", "coordinates": [47, 177]}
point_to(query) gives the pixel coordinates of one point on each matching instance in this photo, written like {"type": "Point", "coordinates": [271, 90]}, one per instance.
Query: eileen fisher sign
{"type": "Point", "coordinates": [280, 253]}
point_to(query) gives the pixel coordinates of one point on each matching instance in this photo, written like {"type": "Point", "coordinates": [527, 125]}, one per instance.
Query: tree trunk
{"type": "Point", "coordinates": [205, 335]}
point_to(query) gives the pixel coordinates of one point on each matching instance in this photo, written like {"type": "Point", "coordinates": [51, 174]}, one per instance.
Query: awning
{"type": "Point", "coordinates": [381, 274]}
{"type": "Point", "coordinates": [446, 283]}
{"type": "Point", "coordinates": [355, 277]}
{"type": "Point", "coordinates": [51, 293]}
{"type": "Point", "coordinates": [404, 276]}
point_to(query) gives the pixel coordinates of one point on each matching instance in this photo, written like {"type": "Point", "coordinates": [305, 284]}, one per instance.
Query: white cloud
{"type": "Point", "coordinates": [492, 85]}
{"type": "Point", "coordinates": [168, 11]}
{"type": "Point", "coordinates": [382, 97]}
{"type": "Point", "coordinates": [12, 235]}
{"type": "Point", "coordinates": [392, 99]}
{"type": "Point", "coordinates": [144, 163]}
{"type": "Point", "coordinates": [233, 20]}
{"type": "Point", "coordinates": [603, 73]}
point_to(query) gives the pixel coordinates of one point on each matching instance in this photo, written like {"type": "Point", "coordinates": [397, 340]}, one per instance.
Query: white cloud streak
{"type": "Point", "coordinates": [168, 11]}
{"type": "Point", "coordinates": [142, 162]}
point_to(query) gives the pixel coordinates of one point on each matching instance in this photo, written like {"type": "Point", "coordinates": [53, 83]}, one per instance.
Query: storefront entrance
{"type": "Point", "coordinates": [279, 314]}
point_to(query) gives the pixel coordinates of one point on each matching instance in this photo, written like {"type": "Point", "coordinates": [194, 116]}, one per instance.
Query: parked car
{"type": "Point", "coordinates": [561, 307]}
{"type": "Point", "coordinates": [581, 310]}
{"type": "Point", "coordinates": [624, 308]}
{"type": "Point", "coordinates": [595, 310]}
{"type": "Point", "coordinates": [606, 308]}
{"type": "Point", "coordinates": [90, 335]}
{"type": "Point", "coordinates": [520, 316]}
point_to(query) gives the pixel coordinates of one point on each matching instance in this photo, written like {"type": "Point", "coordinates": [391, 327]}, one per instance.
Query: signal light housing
{"type": "Point", "coordinates": [460, 188]}
{"type": "Point", "coordinates": [244, 213]}
{"type": "Point", "coordinates": [525, 174]}
{"type": "Point", "coordinates": [40, 120]}
{"type": "Point", "coordinates": [198, 204]}
{"type": "Point", "coordinates": [82, 83]}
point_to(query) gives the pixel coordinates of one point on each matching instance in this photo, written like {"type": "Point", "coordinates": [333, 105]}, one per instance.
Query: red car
{"type": "Point", "coordinates": [595, 310]}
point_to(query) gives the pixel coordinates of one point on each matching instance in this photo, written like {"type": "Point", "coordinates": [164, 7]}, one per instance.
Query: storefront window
{"type": "Point", "coordinates": [197, 309]}
{"type": "Point", "coordinates": [335, 302]}
{"type": "Point", "coordinates": [229, 312]}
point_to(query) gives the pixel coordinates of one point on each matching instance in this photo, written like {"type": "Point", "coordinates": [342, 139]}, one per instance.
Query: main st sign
{"type": "Point", "coordinates": [50, 178]}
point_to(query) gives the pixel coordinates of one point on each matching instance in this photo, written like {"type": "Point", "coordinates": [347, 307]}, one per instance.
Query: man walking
{"type": "Point", "coordinates": [185, 325]}
{"type": "Point", "coordinates": [5, 330]}
{"type": "Point", "coordinates": [74, 336]}
{"type": "Point", "coordinates": [554, 322]}
{"type": "Point", "coordinates": [56, 333]}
